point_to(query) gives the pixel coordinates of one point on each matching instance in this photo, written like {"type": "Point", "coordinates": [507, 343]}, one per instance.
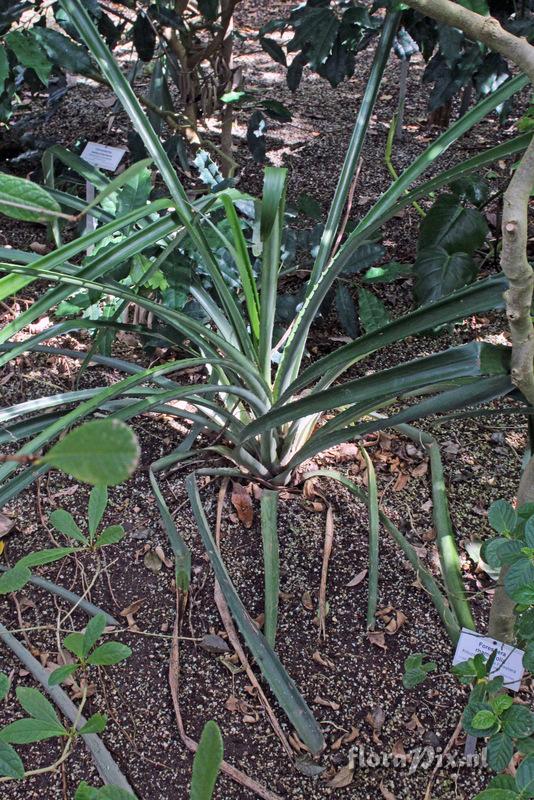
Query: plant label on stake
{"type": "Point", "coordinates": [508, 663]}
{"type": "Point", "coordinates": [101, 156]}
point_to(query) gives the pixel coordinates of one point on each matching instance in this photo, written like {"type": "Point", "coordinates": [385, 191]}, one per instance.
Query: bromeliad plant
{"type": "Point", "coordinates": [261, 409]}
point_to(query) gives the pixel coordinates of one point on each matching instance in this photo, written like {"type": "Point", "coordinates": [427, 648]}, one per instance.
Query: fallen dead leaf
{"type": "Point", "coordinates": [396, 622]}
{"type": "Point", "coordinates": [401, 482]}
{"type": "Point", "coordinates": [343, 776]}
{"type": "Point", "coordinates": [6, 524]}
{"type": "Point", "coordinates": [307, 601]}
{"type": "Point", "coordinates": [212, 643]}
{"type": "Point", "coordinates": [242, 503]}
{"type": "Point", "coordinates": [415, 724]}
{"type": "Point", "coordinates": [162, 557]}
{"type": "Point", "coordinates": [377, 638]}
{"type": "Point", "coordinates": [322, 660]}
{"type": "Point", "coordinates": [345, 738]}
{"type": "Point", "coordinates": [133, 608]}
{"type": "Point", "coordinates": [376, 719]}
{"type": "Point", "coordinates": [357, 578]}
{"type": "Point", "coordinates": [321, 701]}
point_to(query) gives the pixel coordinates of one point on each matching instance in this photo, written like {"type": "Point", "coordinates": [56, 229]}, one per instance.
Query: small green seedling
{"type": "Point", "coordinates": [64, 522]}
{"type": "Point", "coordinates": [416, 670]}
{"type": "Point", "coordinates": [42, 723]}
{"type": "Point", "coordinates": [83, 646]}
{"type": "Point", "coordinates": [86, 792]}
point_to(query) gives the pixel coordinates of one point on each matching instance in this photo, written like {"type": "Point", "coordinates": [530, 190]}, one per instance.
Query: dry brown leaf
{"type": "Point", "coordinates": [307, 601]}
{"type": "Point", "coordinates": [343, 777]}
{"type": "Point", "coordinates": [377, 638]}
{"type": "Point", "coordinates": [386, 794]}
{"type": "Point", "coordinates": [296, 743]}
{"type": "Point", "coordinates": [345, 738]}
{"type": "Point", "coordinates": [415, 724]}
{"type": "Point", "coordinates": [401, 482]}
{"type": "Point", "coordinates": [242, 503]}
{"type": "Point", "coordinates": [322, 660]}
{"type": "Point", "coordinates": [420, 470]}
{"type": "Point", "coordinates": [6, 524]}
{"type": "Point", "coordinates": [162, 557]}
{"type": "Point", "coordinates": [376, 719]}
{"type": "Point", "coordinates": [396, 622]}
{"type": "Point", "coordinates": [384, 612]}
{"type": "Point", "coordinates": [308, 490]}
{"type": "Point", "coordinates": [321, 701]}
{"type": "Point", "coordinates": [214, 644]}
{"type": "Point", "coordinates": [357, 578]}
{"type": "Point", "coordinates": [133, 608]}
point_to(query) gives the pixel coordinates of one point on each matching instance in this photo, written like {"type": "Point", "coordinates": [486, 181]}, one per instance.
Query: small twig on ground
{"type": "Point", "coordinates": [192, 746]}
{"type": "Point", "coordinates": [328, 542]}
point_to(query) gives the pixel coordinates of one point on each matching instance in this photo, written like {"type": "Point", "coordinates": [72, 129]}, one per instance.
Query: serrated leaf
{"type": "Point", "coordinates": [206, 762]}
{"type": "Point", "coordinates": [14, 579]}
{"type": "Point", "coordinates": [367, 254]}
{"type": "Point", "coordinates": [519, 582]}
{"type": "Point", "coordinates": [373, 313]}
{"type": "Point", "coordinates": [99, 452]}
{"type": "Point", "coordinates": [524, 777]}
{"type": "Point", "coordinates": [94, 724]}
{"type": "Point", "coordinates": [502, 517]}
{"type": "Point", "coordinates": [98, 500]}
{"type": "Point", "coordinates": [93, 632]}
{"type": "Point", "coordinates": [28, 194]}
{"type": "Point", "coordinates": [111, 535]}
{"type": "Point", "coordinates": [65, 523]}
{"type": "Point", "coordinates": [500, 751]}
{"type": "Point", "coordinates": [528, 658]}
{"type": "Point", "coordinates": [483, 720]}
{"type": "Point", "coordinates": [26, 731]}
{"type": "Point", "coordinates": [61, 50]}
{"type": "Point", "coordinates": [61, 673]}
{"type": "Point", "coordinates": [41, 557]}
{"type": "Point", "coordinates": [518, 721]}
{"type": "Point", "coordinates": [10, 764]}
{"type": "Point", "coordinates": [36, 704]}
{"type": "Point", "coordinates": [109, 653]}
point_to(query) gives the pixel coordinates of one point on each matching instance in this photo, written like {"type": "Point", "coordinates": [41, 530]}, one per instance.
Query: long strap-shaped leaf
{"type": "Point", "coordinates": [379, 213]}
{"type": "Point", "coordinates": [101, 263]}
{"type": "Point", "coordinates": [201, 335]}
{"type": "Point", "coordinates": [466, 361]}
{"type": "Point", "coordinates": [282, 686]}
{"type": "Point", "coordinates": [480, 296]}
{"type": "Point", "coordinates": [295, 346]}
{"type": "Point", "coordinates": [110, 69]}
{"type": "Point", "coordinates": [272, 216]}
{"type": "Point", "coordinates": [480, 391]}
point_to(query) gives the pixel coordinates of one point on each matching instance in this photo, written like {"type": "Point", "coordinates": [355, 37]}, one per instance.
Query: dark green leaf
{"type": "Point", "coordinates": [519, 582]}
{"type": "Point", "coordinates": [518, 721]}
{"type": "Point", "coordinates": [74, 643]}
{"type": "Point", "coordinates": [10, 764]}
{"type": "Point", "coordinates": [109, 653]}
{"type": "Point", "coordinates": [207, 762]}
{"type": "Point", "coordinates": [256, 130]}
{"type": "Point", "coordinates": [273, 49]}
{"type": "Point", "coordinates": [61, 50]}
{"type": "Point", "coordinates": [64, 522]}
{"type": "Point", "coordinates": [41, 557]}
{"type": "Point", "coordinates": [528, 658]}
{"type": "Point", "coordinates": [373, 313]}
{"type": "Point", "coordinates": [387, 273]}
{"type": "Point", "coordinates": [94, 724]}
{"type": "Point", "coordinates": [144, 37]}
{"type": "Point", "coordinates": [25, 731]}
{"type": "Point", "coordinates": [502, 517]}
{"type": "Point", "coordinates": [36, 704]}
{"type": "Point", "coordinates": [367, 254]}
{"type": "Point", "coordinates": [346, 311]}
{"type": "Point", "coordinates": [500, 751]}
{"type": "Point", "coordinates": [4, 685]}
{"type": "Point", "coordinates": [451, 226]}
{"type": "Point", "coordinates": [438, 273]}
{"type": "Point", "coordinates": [29, 53]}
{"type": "Point", "coordinates": [524, 777]}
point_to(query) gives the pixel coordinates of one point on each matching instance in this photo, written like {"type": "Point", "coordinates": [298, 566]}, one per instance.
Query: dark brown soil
{"type": "Point", "coordinates": [356, 676]}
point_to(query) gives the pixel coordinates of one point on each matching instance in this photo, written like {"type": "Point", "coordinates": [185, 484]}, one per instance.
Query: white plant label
{"type": "Point", "coordinates": [508, 661]}
{"type": "Point", "coordinates": [103, 156]}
